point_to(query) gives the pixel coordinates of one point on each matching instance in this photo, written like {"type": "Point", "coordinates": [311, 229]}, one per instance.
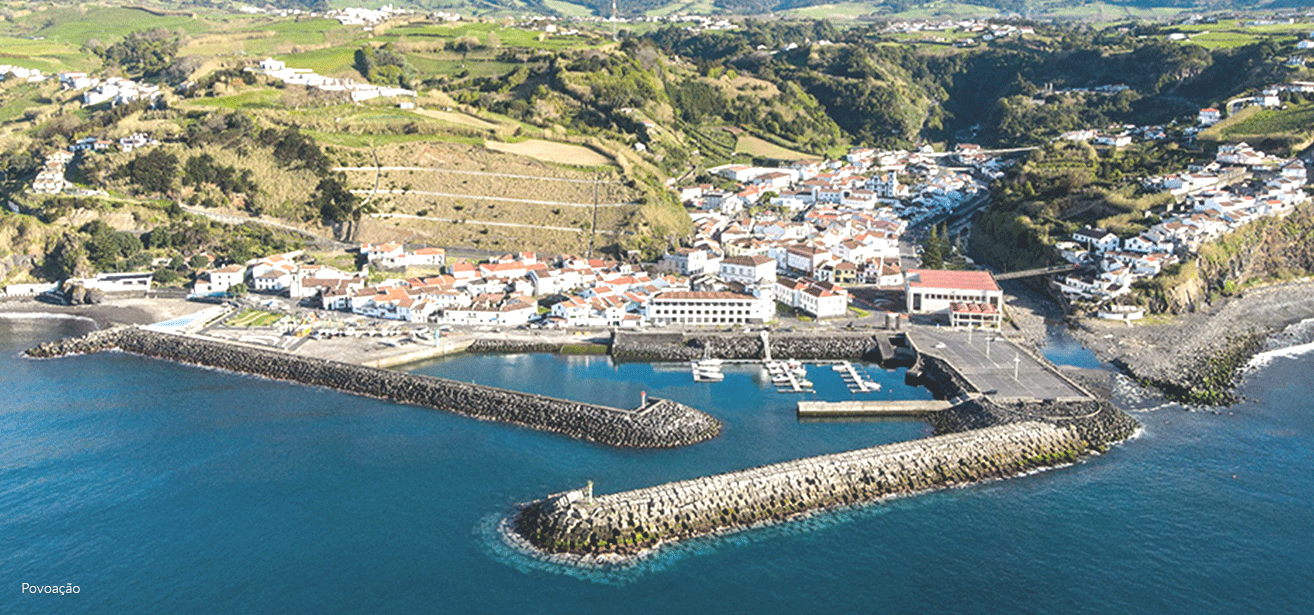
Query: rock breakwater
{"type": "Point", "coordinates": [631, 522]}
{"type": "Point", "coordinates": [629, 346]}
{"type": "Point", "coordinates": [659, 424]}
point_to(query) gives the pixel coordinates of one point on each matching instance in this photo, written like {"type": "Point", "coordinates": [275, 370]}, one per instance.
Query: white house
{"type": "Point", "coordinates": [1099, 240]}
{"type": "Point", "coordinates": [748, 270]}
{"type": "Point", "coordinates": [219, 280]}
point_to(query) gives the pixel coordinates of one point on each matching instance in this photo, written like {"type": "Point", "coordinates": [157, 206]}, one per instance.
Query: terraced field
{"type": "Point", "coordinates": [456, 195]}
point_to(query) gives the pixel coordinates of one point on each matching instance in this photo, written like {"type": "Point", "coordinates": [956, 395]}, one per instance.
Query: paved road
{"type": "Point", "coordinates": [994, 371]}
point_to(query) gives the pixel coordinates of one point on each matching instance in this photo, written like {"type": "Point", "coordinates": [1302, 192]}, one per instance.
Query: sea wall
{"type": "Point", "coordinates": [630, 522]}
{"type": "Point", "coordinates": [635, 346]}
{"type": "Point", "coordinates": [659, 424]}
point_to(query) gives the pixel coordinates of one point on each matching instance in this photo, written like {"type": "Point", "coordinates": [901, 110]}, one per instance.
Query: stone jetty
{"type": "Point", "coordinates": [978, 438]}
{"type": "Point", "coordinates": [657, 424]}
{"type": "Point", "coordinates": [630, 522]}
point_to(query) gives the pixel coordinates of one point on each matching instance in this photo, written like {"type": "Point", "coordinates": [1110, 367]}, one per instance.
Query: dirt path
{"type": "Point", "coordinates": [505, 224]}
{"type": "Point", "coordinates": [483, 173]}
{"type": "Point", "coordinates": [473, 197]}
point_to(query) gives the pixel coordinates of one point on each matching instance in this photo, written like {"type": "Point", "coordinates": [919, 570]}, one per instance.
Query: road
{"type": "Point", "coordinates": [233, 219]}
{"type": "Point", "coordinates": [473, 197]}
{"type": "Point", "coordinates": [483, 173]}
{"type": "Point", "coordinates": [505, 224]}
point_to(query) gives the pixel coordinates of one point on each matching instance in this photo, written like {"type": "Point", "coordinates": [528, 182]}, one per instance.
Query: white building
{"type": "Point", "coordinates": [933, 291]}
{"type": "Point", "coordinates": [707, 308]}
{"type": "Point", "coordinates": [748, 270]}
{"type": "Point", "coordinates": [219, 280]}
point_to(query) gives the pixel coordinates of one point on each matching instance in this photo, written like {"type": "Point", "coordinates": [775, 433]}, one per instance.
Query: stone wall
{"type": "Point", "coordinates": [660, 424]}
{"type": "Point", "coordinates": [632, 521]}
{"type": "Point", "coordinates": [631, 346]}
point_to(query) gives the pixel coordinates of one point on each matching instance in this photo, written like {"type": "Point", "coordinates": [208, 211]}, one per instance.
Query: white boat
{"type": "Point", "coordinates": [711, 376]}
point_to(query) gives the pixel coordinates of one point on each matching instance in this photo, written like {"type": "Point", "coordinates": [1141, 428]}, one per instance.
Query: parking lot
{"type": "Point", "coordinates": [994, 365]}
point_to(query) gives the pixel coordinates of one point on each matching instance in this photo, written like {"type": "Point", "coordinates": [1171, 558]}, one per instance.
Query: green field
{"type": "Point", "coordinates": [1229, 33]}
{"type": "Point", "coordinates": [1274, 129]}
{"type": "Point", "coordinates": [761, 148]}
{"type": "Point", "coordinates": [254, 99]}
{"type": "Point", "coordinates": [78, 25]}
{"type": "Point", "coordinates": [254, 318]}
{"type": "Point", "coordinates": [568, 9]}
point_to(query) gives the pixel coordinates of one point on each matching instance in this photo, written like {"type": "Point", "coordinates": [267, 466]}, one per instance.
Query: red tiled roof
{"type": "Point", "coordinates": [701, 295]}
{"type": "Point", "coordinates": [973, 308]}
{"type": "Point", "coordinates": [962, 280]}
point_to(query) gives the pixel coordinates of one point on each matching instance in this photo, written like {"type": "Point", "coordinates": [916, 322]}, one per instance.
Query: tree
{"type": "Point", "coordinates": [237, 290]}
{"type": "Point", "coordinates": [153, 171]}
{"type": "Point", "coordinates": [334, 201]}
{"type": "Point", "coordinates": [934, 250]}
{"type": "Point", "coordinates": [144, 52]}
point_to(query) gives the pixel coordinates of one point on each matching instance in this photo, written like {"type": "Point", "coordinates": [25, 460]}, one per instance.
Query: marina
{"type": "Point", "coordinates": [789, 376]}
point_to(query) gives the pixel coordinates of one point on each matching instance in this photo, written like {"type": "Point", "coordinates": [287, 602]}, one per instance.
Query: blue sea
{"type": "Point", "coordinates": [161, 488]}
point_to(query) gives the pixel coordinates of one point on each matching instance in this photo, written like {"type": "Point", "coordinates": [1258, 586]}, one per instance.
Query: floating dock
{"type": "Point", "coordinates": [868, 408]}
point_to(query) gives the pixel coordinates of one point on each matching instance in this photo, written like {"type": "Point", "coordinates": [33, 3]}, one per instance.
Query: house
{"type": "Point", "coordinates": [804, 258]}
{"type": "Point", "coordinates": [883, 273]}
{"type": "Point", "coordinates": [1098, 240]}
{"type": "Point", "coordinates": [688, 261]}
{"type": "Point", "coordinates": [1114, 140]}
{"type": "Point", "coordinates": [219, 280]}
{"type": "Point", "coordinates": [1209, 116]}
{"type": "Point", "coordinates": [823, 300]}
{"type": "Point", "coordinates": [748, 270]}
{"type": "Point", "coordinates": [933, 291]}
{"type": "Point", "coordinates": [843, 272]}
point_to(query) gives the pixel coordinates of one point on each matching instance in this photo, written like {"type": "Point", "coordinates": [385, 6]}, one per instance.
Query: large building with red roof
{"type": "Point", "coordinates": [935, 291]}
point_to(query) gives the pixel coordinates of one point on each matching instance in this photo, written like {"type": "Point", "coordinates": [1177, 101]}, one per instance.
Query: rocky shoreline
{"type": "Point", "coordinates": [658, 424]}
{"type": "Point", "coordinates": [1197, 358]}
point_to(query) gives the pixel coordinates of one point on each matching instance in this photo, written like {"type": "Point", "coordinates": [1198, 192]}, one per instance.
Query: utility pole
{"type": "Point", "coordinates": [614, 35]}
{"type": "Point", "coordinates": [593, 230]}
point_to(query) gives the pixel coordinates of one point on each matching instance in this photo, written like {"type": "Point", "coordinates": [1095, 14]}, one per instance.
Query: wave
{"type": "Point", "coordinates": [1263, 359]}
{"type": "Point", "coordinates": [44, 316]}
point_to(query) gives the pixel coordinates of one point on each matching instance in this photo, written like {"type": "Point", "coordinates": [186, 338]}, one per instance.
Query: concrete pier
{"type": "Point", "coordinates": [872, 407]}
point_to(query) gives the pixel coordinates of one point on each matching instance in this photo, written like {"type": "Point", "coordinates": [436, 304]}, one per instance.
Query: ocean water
{"type": "Point", "coordinates": [1063, 349]}
{"type": "Point", "coordinates": [160, 488]}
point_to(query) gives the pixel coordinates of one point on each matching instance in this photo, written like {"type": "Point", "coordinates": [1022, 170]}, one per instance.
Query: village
{"type": "Point", "coordinates": [795, 241]}
{"type": "Point", "coordinates": [1211, 199]}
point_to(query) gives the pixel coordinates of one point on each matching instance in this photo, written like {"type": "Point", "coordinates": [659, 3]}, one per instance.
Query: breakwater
{"type": "Point", "coordinates": [658, 424]}
{"type": "Point", "coordinates": [634, 346]}
{"type": "Point", "coordinates": [628, 523]}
